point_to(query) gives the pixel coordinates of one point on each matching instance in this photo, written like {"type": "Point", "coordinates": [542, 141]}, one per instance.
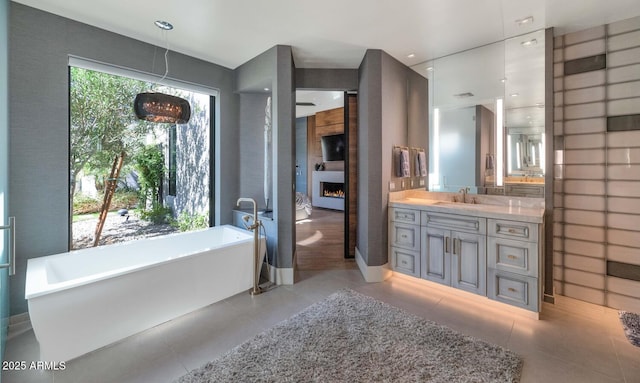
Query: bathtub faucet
{"type": "Point", "coordinates": [256, 290]}
{"type": "Point", "coordinates": [255, 223]}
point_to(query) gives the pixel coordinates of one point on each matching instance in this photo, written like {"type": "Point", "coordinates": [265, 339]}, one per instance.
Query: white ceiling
{"type": "Point", "coordinates": [321, 100]}
{"type": "Point", "coordinates": [334, 33]}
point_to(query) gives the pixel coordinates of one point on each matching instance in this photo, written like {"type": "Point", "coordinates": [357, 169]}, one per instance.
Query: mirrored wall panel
{"type": "Point", "coordinates": [486, 130]}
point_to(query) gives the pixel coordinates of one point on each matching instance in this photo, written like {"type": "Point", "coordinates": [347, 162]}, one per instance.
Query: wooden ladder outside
{"type": "Point", "coordinates": [109, 190]}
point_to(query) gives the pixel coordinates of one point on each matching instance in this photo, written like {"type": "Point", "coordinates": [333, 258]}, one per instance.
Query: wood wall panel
{"type": "Point", "coordinates": [312, 158]}
{"type": "Point", "coordinates": [353, 174]}
{"type": "Point", "coordinates": [330, 117]}
{"type": "Point", "coordinates": [325, 123]}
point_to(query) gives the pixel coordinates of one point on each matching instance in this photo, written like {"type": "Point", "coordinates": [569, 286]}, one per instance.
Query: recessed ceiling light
{"type": "Point", "coordinates": [503, 80]}
{"type": "Point", "coordinates": [540, 105]}
{"type": "Point", "coordinates": [514, 94]}
{"type": "Point", "coordinates": [266, 89]}
{"type": "Point", "coordinates": [526, 20]}
{"type": "Point", "coordinates": [163, 25]}
{"type": "Point", "coordinates": [529, 43]}
{"type": "Point", "coordinates": [429, 68]}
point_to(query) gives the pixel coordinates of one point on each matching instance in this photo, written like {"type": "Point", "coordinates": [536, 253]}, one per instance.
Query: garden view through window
{"type": "Point", "coordinates": [160, 173]}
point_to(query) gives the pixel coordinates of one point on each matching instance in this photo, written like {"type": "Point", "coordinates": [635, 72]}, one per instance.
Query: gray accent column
{"type": "Point", "coordinates": [39, 124]}
{"type": "Point", "coordinates": [284, 154]}
{"type": "Point", "coordinates": [369, 159]}
{"type": "Point", "coordinates": [273, 69]}
{"type": "Point", "coordinates": [402, 119]}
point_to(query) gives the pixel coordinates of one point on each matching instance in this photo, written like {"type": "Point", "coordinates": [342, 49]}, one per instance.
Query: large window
{"type": "Point", "coordinates": [160, 172]}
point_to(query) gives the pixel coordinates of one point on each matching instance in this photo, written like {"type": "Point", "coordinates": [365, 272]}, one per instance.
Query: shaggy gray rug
{"type": "Point", "coordinates": [631, 325]}
{"type": "Point", "coordinates": [350, 337]}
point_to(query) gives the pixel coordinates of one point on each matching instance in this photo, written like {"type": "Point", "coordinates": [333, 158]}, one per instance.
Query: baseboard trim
{"type": "Point", "coordinates": [281, 276]}
{"type": "Point", "coordinates": [372, 273]}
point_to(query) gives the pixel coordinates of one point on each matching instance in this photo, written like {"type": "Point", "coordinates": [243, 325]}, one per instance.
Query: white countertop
{"type": "Point", "coordinates": [511, 211]}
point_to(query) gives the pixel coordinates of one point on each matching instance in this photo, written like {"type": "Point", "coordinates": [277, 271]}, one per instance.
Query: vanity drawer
{"type": "Point", "coordinates": [466, 223]}
{"type": "Point", "coordinates": [404, 215]}
{"type": "Point", "coordinates": [513, 256]}
{"type": "Point", "coordinates": [405, 261]}
{"type": "Point", "coordinates": [513, 289]}
{"type": "Point", "coordinates": [524, 231]}
{"type": "Point", "coordinates": [405, 236]}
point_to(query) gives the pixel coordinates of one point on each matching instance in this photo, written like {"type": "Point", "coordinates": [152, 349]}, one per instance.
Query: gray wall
{"type": "Point", "coordinates": [417, 112]}
{"type": "Point", "coordinates": [301, 155]}
{"type": "Point", "coordinates": [38, 78]}
{"type": "Point", "coordinates": [330, 79]}
{"type": "Point", "coordinates": [272, 69]}
{"type": "Point", "coordinates": [252, 114]}
{"type": "Point", "coordinates": [381, 126]}
{"type": "Point", "coordinates": [369, 160]}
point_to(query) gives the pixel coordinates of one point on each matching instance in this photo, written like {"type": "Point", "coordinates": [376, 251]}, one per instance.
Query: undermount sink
{"type": "Point", "coordinates": [445, 203]}
{"type": "Point", "coordinates": [457, 204]}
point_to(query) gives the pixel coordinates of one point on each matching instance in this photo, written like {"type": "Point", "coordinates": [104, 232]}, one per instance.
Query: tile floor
{"type": "Point", "coordinates": [573, 341]}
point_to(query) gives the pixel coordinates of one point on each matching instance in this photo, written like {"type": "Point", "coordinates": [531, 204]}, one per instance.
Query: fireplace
{"type": "Point", "coordinates": [328, 189]}
{"type": "Point", "coordinates": [332, 189]}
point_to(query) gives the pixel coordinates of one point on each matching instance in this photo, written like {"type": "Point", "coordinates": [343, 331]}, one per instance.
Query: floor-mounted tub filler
{"type": "Point", "coordinates": [86, 299]}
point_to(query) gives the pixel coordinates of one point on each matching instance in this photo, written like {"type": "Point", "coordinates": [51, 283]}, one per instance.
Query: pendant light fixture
{"type": "Point", "coordinates": [160, 107]}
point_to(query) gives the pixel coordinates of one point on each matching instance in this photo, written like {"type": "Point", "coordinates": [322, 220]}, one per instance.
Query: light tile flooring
{"type": "Point", "coordinates": [573, 341]}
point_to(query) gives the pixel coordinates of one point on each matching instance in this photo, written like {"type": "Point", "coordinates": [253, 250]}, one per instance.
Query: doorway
{"type": "Point", "coordinates": [325, 183]}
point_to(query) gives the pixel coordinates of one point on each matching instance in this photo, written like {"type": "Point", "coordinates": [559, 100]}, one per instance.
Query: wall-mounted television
{"type": "Point", "coordinates": [333, 147]}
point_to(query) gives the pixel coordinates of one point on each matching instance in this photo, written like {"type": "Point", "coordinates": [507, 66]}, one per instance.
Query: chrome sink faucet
{"type": "Point", "coordinates": [464, 192]}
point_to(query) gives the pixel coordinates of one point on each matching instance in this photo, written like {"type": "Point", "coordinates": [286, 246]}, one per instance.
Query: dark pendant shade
{"type": "Point", "coordinates": [162, 108]}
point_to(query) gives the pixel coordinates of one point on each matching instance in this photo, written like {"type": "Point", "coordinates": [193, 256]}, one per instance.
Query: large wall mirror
{"type": "Point", "coordinates": [486, 117]}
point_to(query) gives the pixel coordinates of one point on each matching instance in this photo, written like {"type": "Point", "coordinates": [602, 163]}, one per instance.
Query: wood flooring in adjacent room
{"type": "Point", "coordinates": [320, 241]}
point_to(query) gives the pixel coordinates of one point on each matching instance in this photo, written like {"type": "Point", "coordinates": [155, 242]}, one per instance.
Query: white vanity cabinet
{"type": "Point", "coordinates": [514, 263]}
{"type": "Point", "coordinates": [494, 251]}
{"type": "Point", "coordinates": [404, 240]}
{"type": "Point", "coordinates": [453, 251]}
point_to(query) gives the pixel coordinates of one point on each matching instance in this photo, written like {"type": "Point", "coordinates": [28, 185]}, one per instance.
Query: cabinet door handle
{"type": "Point", "coordinates": [512, 290]}
{"type": "Point", "coordinates": [446, 244]}
{"type": "Point", "coordinates": [512, 256]}
{"type": "Point", "coordinates": [456, 241]}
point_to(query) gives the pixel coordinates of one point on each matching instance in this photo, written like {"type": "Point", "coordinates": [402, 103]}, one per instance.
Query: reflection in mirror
{"type": "Point", "coordinates": [524, 149]}
{"type": "Point", "coordinates": [524, 115]}
{"type": "Point", "coordinates": [483, 101]}
{"type": "Point", "coordinates": [465, 88]}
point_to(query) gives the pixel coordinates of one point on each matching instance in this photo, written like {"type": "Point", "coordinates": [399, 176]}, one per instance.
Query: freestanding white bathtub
{"type": "Point", "coordinates": [86, 299]}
